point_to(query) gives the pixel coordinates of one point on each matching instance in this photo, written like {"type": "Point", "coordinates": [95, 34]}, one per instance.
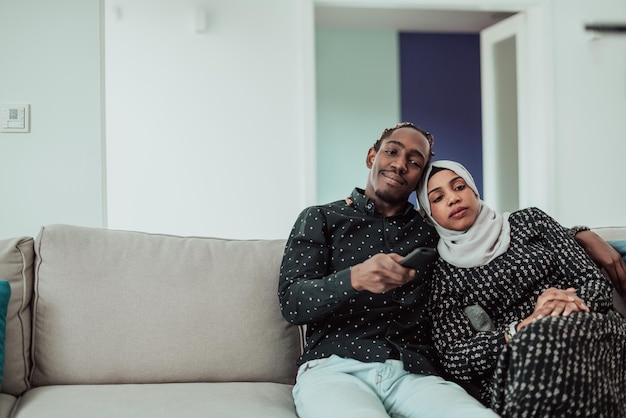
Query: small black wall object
{"type": "Point", "coordinates": [606, 27]}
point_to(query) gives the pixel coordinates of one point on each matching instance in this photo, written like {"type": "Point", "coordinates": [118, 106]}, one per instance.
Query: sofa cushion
{"type": "Point", "coordinates": [16, 265]}
{"type": "Point", "coordinates": [5, 294]}
{"type": "Point", "coordinates": [180, 400]}
{"type": "Point", "coordinates": [620, 246]}
{"type": "Point", "coordinates": [6, 405]}
{"type": "Point", "coordinates": [131, 307]}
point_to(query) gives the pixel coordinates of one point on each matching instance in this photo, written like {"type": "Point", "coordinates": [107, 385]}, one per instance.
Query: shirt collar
{"type": "Point", "coordinates": [362, 203]}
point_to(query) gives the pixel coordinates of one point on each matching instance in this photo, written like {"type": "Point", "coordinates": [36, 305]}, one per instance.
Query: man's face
{"type": "Point", "coordinates": [397, 167]}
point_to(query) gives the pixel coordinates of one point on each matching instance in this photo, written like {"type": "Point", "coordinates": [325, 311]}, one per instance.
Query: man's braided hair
{"type": "Point", "coordinates": [388, 131]}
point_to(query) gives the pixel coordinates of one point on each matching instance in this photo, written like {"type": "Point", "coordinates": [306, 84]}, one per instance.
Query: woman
{"type": "Point", "coordinates": [518, 308]}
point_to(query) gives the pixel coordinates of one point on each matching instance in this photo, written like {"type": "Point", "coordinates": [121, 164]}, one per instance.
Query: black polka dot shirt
{"type": "Point", "coordinates": [315, 289]}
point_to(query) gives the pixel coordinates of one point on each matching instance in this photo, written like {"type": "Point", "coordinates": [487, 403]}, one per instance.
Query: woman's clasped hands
{"type": "Point", "coordinates": [555, 302]}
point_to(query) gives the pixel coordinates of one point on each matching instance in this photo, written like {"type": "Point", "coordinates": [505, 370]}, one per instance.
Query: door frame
{"type": "Point", "coordinates": [535, 141]}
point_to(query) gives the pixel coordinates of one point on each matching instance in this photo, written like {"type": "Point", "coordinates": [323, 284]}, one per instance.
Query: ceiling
{"type": "Point", "coordinates": [406, 20]}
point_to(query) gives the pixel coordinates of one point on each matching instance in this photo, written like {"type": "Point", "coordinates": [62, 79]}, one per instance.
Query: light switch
{"type": "Point", "coordinates": [15, 118]}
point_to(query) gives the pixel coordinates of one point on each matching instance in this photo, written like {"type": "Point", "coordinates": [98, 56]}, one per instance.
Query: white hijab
{"type": "Point", "coordinates": [487, 238]}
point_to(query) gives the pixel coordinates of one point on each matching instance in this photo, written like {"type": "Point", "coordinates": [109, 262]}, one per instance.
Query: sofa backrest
{"type": "Point", "coordinates": [116, 306]}
{"type": "Point", "coordinates": [130, 307]}
{"type": "Point", "coordinates": [611, 233]}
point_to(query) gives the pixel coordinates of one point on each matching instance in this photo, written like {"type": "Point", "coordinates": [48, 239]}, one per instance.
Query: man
{"type": "Point", "coordinates": [368, 350]}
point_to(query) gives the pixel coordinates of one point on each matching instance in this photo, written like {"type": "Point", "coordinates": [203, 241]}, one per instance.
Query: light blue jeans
{"type": "Point", "coordinates": [342, 388]}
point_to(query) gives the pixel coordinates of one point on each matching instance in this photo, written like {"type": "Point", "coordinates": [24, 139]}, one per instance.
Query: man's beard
{"type": "Point", "coordinates": [389, 198]}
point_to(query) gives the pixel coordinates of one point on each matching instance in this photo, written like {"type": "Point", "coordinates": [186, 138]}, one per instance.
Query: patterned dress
{"type": "Point", "coordinates": [556, 367]}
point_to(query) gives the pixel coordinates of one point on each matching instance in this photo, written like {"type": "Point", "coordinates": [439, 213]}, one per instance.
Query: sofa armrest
{"type": "Point", "coordinates": [612, 233]}
{"type": "Point", "coordinates": [16, 265]}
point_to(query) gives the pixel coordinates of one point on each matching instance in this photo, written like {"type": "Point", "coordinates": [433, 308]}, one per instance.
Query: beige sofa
{"type": "Point", "coordinates": [105, 323]}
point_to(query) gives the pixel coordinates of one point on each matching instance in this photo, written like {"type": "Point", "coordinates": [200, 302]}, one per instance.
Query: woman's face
{"type": "Point", "coordinates": [453, 204]}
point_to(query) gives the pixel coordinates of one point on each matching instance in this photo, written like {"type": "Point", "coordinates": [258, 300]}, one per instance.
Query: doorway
{"type": "Point", "coordinates": [374, 115]}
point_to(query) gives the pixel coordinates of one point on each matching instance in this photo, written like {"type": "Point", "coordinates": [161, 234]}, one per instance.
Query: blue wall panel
{"type": "Point", "coordinates": [440, 91]}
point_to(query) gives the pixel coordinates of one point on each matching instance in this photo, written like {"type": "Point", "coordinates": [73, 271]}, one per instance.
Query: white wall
{"type": "Point", "coordinates": [51, 60]}
{"type": "Point", "coordinates": [590, 114]}
{"type": "Point", "coordinates": [263, 57]}
{"type": "Point", "coordinates": [572, 92]}
{"type": "Point", "coordinates": [209, 133]}
{"type": "Point", "coordinates": [508, 5]}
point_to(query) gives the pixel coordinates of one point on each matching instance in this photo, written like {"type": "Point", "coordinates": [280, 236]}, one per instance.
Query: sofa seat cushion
{"type": "Point", "coordinates": [180, 400]}
{"type": "Point", "coordinates": [129, 307]}
{"type": "Point", "coordinates": [6, 404]}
